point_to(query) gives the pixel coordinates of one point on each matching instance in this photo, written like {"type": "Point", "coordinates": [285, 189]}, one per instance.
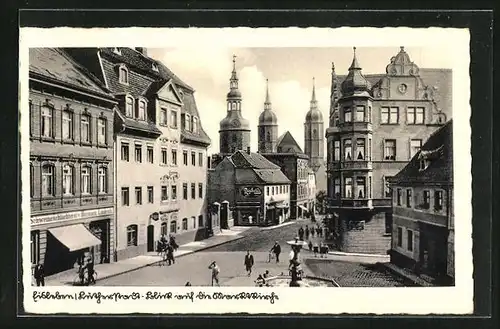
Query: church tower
{"type": "Point", "coordinates": [234, 132]}
{"type": "Point", "coordinates": [268, 127]}
{"type": "Point", "coordinates": [313, 133]}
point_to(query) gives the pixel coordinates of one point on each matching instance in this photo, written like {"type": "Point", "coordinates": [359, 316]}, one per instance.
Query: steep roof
{"type": "Point", "coordinates": [55, 64]}
{"type": "Point", "coordinates": [264, 171]}
{"type": "Point", "coordinates": [253, 160]}
{"type": "Point", "coordinates": [287, 144]}
{"type": "Point", "coordinates": [439, 150]}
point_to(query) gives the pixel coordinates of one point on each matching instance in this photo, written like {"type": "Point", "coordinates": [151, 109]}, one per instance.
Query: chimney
{"type": "Point", "coordinates": [248, 149]}
{"type": "Point", "coordinates": [142, 51]}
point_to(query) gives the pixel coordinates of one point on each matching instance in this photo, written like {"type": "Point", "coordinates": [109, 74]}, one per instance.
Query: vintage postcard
{"type": "Point", "coordinates": [267, 170]}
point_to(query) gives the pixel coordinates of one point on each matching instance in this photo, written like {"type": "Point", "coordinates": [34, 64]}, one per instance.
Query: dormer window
{"type": "Point", "coordinates": [187, 125]}
{"type": "Point", "coordinates": [123, 74]}
{"type": "Point", "coordinates": [154, 67]}
{"type": "Point", "coordinates": [424, 164]}
{"type": "Point", "coordinates": [129, 106]}
{"type": "Point", "coordinates": [140, 110]}
{"type": "Point", "coordinates": [195, 124]}
{"type": "Point", "coordinates": [117, 51]}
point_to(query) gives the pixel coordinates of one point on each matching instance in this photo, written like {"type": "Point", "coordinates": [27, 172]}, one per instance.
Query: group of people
{"type": "Point", "coordinates": [86, 271]}
{"type": "Point", "coordinates": [167, 248]}
{"type": "Point", "coordinates": [321, 248]}
{"type": "Point", "coordinates": [318, 230]}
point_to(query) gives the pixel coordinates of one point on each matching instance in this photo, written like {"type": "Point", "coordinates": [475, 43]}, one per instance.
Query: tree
{"type": "Point", "coordinates": [320, 201]}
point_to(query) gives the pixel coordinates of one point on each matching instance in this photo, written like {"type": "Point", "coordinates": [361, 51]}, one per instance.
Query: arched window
{"type": "Point", "coordinates": [67, 125]}
{"type": "Point", "coordinates": [268, 136]}
{"type": "Point", "coordinates": [86, 180]}
{"type": "Point", "coordinates": [185, 224]}
{"type": "Point", "coordinates": [47, 180]}
{"type": "Point", "coordinates": [47, 122]}
{"type": "Point", "coordinates": [173, 226]}
{"type": "Point", "coordinates": [131, 235]}
{"type": "Point", "coordinates": [85, 129]}
{"type": "Point", "coordinates": [103, 179]}
{"type": "Point", "coordinates": [123, 74]}
{"type": "Point", "coordinates": [141, 110]}
{"type": "Point", "coordinates": [68, 182]}
{"type": "Point", "coordinates": [164, 229]}
{"type": "Point", "coordinates": [129, 106]}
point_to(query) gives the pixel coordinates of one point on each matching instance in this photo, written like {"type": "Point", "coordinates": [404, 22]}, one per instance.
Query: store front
{"type": "Point", "coordinates": [248, 215]}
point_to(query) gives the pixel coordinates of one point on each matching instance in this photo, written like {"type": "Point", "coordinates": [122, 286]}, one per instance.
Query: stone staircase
{"type": "Point", "coordinates": [371, 240]}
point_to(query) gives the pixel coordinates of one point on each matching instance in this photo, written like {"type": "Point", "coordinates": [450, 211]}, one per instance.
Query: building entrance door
{"type": "Point", "coordinates": [151, 238]}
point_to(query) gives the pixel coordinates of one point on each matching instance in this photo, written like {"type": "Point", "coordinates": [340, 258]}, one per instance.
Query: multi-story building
{"type": "Point", "coordinates": [373, 133]}
{"type": "Point", "coordinates": [423, 218]}
{"type": "Point", "coordinates": [255, 189]}
{"type": "Point", "coordinates": [311, 190]}
{"type": "Point", "coordinates": [160, 150]}
{"type": "Point", "coordinates": [71, 162]}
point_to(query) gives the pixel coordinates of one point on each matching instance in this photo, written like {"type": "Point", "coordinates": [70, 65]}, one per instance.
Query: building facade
{"type": "Point", "coordinates": [71, 163]}
{"type": "Point", "coordinates": [423, 218]}
{"type": "Point", "coordinates": [255, 189]}
{"type": "Point", "coordinates": [161, 170]}
{"type": "Point", "coordinates": [375, 129]}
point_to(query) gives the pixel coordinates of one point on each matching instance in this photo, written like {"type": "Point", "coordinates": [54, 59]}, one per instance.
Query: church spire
{"type": "Point", "coordinates": [314, 103]}
{"type": "Point", "coordinates": [267, 103]}
{"type": "Point", "coordinates": [234, 77]}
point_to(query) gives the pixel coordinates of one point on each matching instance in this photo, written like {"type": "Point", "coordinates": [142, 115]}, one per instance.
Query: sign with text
{"type": "Point", "coordinates": [251, 191]}
{"type": "Point", "coordinates": [70, 216]}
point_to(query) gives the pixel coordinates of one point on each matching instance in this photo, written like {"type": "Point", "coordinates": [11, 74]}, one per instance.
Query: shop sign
{"type": "Point", "coordinates": [251, 191]}
{"type": "Point", "coordinates": [70, 216]}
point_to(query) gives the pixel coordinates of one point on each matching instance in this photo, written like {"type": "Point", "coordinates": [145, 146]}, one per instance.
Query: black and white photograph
{"type": "Point", "coordinates": [207, 161]}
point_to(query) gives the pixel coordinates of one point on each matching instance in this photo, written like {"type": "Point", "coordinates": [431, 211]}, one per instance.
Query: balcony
{"type": "Point", "coordinates": [356, 165]}
{"type": "Point", "coordinates": [358, 203]}
{"type": "Point", "coordinates": [355, 127]}
{"type": "Point", "coordinates": [331, 166]}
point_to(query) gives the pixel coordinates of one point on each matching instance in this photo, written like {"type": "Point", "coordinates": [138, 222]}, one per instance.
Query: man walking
{"type": "Point", "coordinates": [215, 273]}
{"type": "Point", "coordinates": [276, 249]}
{"type": "Point", "coordinates": [39, 275]}
{"type": "Point", "coordinates": [248, 263]}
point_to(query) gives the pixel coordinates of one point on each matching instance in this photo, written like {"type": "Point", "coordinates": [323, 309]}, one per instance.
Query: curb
{"type": "Point", "coordinates": [340, 253]}
{"type": "Point", "coordinates": [155, 262]}
{"type": "Point", "coordinates": [277, 226]}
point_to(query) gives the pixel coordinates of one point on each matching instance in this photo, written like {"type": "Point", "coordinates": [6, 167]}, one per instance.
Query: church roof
{"type": "Point", "coordinates": [287, 144]}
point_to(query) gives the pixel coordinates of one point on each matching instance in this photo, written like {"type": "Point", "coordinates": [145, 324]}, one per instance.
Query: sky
{"type": "Point", "coordinates": [290, 72]}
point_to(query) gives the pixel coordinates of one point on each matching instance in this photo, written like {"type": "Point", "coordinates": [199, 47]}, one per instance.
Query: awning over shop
{"type": "Point", "coordinates": [303, 208]}
{"type": "Point", "coordinates": [75, 237]}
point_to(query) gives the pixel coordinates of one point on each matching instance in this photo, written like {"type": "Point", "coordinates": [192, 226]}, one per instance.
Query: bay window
{"type": "Point", "coordinates": [360, 149]}
{"type": "Point", "coordinates": [348, 149]}
{"type": "Point", "coordinates": [360, 187]}
{"type": "Point", "coordinates": [348, 187]}
{"type": "Point", "coordinates": [347, 114]}
{"type": "Point", "coordinates": [360, 113]}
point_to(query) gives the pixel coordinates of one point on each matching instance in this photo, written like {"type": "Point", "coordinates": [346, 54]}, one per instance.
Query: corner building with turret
{"type": "Point", "coordinates": [377, 123]}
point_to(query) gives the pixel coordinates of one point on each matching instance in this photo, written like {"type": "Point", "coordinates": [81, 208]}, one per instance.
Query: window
{"type": "Point", "coordinates": [164, 229]}
{"type": "Point", "coordinates": [438, 200]}
{"type": "Point", "coordinates": [124, 151]}
{"type": "Point", "coordinates": [200, 221]}
{"type": "Point", "coordinates": [360, 187]}
{"type": "Point", "coordinates": [384, 116]}
{"type": "Point", "coordinates": [138, 153]}
{"type": "Point", "coordinates": [164, 193]}
{"type": "Point", "coordinates": [163, 117]}
{"type": "Point", "coordinates": [174, 157]}
{"type": "Point", "coordinates": [184, 224]}
{"type": "Point", "coordinates": [85, 133]}
{"type": "Point", "coordinates": [427, 199]}
{"type": "Point", "coordinates": [409, 240]}
{"type": "Point", "coordinates": [151, 197]}
{"type": "Point", "coordinates": [35, 247]}
{"type": "Point", "coordinates": [347, 114]}
{"type": "Point", "coordinates": [370, 187]}
{"type": "Point", "coordinates": [415, 115]}
{"type": "Point", "coordinates": [348, 187]}
{"type": "Point", "coordinates": [200, 159]}
{"type": "Point", "coordinates": [200, 190]}
{"type": "Point", "coordinates": [125, 196]}
{"type": "Point", "coordinates": [32, 181]}
{"type": "Point", "coordinates": [185, 191]}
{"type": "Point", "coordinates": [31, 117]}
{"type": "Point", "coordinates": [173, 226]}
{"type": "Point", "coordinates": [360, 149]}
{"type": "Point", "coordinates": [117, 51]}
{"type": "Point", "coordinates": [360, 113]}
{"type": "Point", "coordinates": [336, 151]}
{"type": "Point", "coordinates": [389, 115]}
{"type": "Point", "coordinates": [173, 119]}
{"type": "Point", "coordinates": [154, 67]}
{"type": "Point", "coordinates": [399, 197]}
{"type": "Point", "coordinates": [348, 149]}
{"type": "Point", "coordinates": [400, 237]}
{"type": "Point", "coordinates": [174, 192]}
{"type": "Point", "coordinates": [369, 148]}
{"type": "Point", "coordinates": [193, 191]}
{"type": "Point", "coordinates": [267, 190]}
{"type": "Point", "coordinates": [408, 198]}
{"type": "Point", "coordinates": [187, 124]}
{"type": "Point", "coordinates": [185, 157]}
{"type": "Point", "coordinates": [138, 195]}
{"type": "Point", "coordinates": [164, 159]}
{"type": "Point", "coordinates": [150, 154]}
{"type": "Point", "coordinates": [102, 175]}
{"type": "Point", "coordinates": [195, 124]}
{"type": "Point", "coordinates": [390, 149]}
{"type": "Point", "coordinates": [101, 131]}
{"type": "Point", "coordinates": [47, 123]}
{"type": "Point", "coordinates": [336, 188]}
{"type": "Point", "coordinates": [193, 158]}
{"type": "Point", "coordinates": [131, 235]}
{"type": "Point", "coordinates": [387, 187]}
{"type": "Point", "coordinates": [129, 107]}
{"type": "Point", "coordinates": [415, 145]}
{"type": "Point", "coordinates": [141, 110]}
{"type": "Point", "coordinates": [194, 221]}
{"type": "Point", "coordinates": [68, 180]}
{"type": "Point", "coordinates": [67, 125]}
{"type": "Point", "coordinates": [86, 180]}
{"type": "Point", "coordinates": [123, 75]}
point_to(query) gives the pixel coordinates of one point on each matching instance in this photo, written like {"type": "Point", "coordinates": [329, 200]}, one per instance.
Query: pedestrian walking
{"type": "Point", "coordinates": [316, 249]}
{"type": "Point", "coordinates": [312, 232]}
{"type": "Point", "coordinates": [248, 263]}
{"type": "Point", "coordinates": [276, 249]}
{"type": "Point", "coordinates": [89, 267]}
{"type": "Point", "coordinates": [307, 232]}
{"type": "Point", "coordinates": [301, 234]}
{"type": "Point", "coordinates": [318, 231]}
{"type": "Point", "coordinates": [215, 273]}
{"type": "Point", "coordinates": [173, 243]}
{"type": "Point", "coordinates": [310, 245]}
{"type": "Point", "coordinates": [323, 250]}
{"type": "Point", "coordinates": [39, 275]}
{"type": "Point", "coordinates": [170, 255]}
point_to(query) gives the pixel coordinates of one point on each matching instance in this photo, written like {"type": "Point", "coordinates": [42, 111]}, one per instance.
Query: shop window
{"type": "Point", "coordinates": [131, 235]}
{"type": "Point", "coordinates": [47, 180]}
{"type": "Point", "coordinates": [150, 154]}
{"type": "Point", "coordinates": [200, 190]}
{"type": "Point", "coordinates": [35, 247]}
{"type": "Point", "coordinates": [408, 198]}
{"type": "Point", "coordinates": [103, 179]}
{"type": "Point", "coordinates": [360, 149]}
{"type": "Point", "coordinates": [101, 131]}
{"type": "Point", "coordinates": [86, 180]}
{"type": "Point", "coordinates": [400, 237]}
{"type": "Point", "coordinates": [138, 195]}
{"type": "Point", "coordinates": [68, 183]}
{"type": "Point", "coordinates": [184, 224]}
{"type": "Point", "coordinates": [47, 122]}
{"type": "Point", "coordinates": [193, 158]}
{"type": "Point", "coordinates": [138, 153]}
{"type": "Point", "coordinates": [151, 194]}
{"type": "Point", "coordinates": [348, 187]}
{"type": "Point", "coordinates": [125, 196]}
{"type": "Point", "coordinates": [129, 107]}
{"type": "Point", "coordinates": [348, 149]}
{"type": "Point", "coordinates": [390, 149]}
{"type": "Point", "coordinates": [124, 151]}
{"type": "Point", "coordinates": [164, 193]}
{"type": "Point", "coordinates": [185, 191]}
{"type": "Point", "coordinates": [174, 157]}
{"type": "Point", "coordinates": [409, 241]}
{"type": "Point", "coordinates": [164, 229]}
{"type": "Point", "coordinates": [173, 227]}
{"type": "Point", "coordinates": [185, 157]}
{"type": "Point", "coordinates": [174, 192]}
{"type": "Point", "coordinates": [85, 128]}
{"type": "Point", "coordinates": [438, 200]}
{"type": "Point", "coordinates": [67, 125]}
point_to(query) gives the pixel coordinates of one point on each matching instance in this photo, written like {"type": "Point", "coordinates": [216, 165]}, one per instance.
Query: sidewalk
{"type": "Point", "coordinates": [410, 276]}
{"type": "Point", "coordinates": [105, 271]}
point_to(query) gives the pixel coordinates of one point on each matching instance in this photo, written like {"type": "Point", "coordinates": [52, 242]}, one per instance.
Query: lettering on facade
{"type": "Point", "coordinates": [353, 225]}
{"type": "Point", "coordinates": [70, 216]}
{"type": "Point", "coordinates": [251, 191]}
